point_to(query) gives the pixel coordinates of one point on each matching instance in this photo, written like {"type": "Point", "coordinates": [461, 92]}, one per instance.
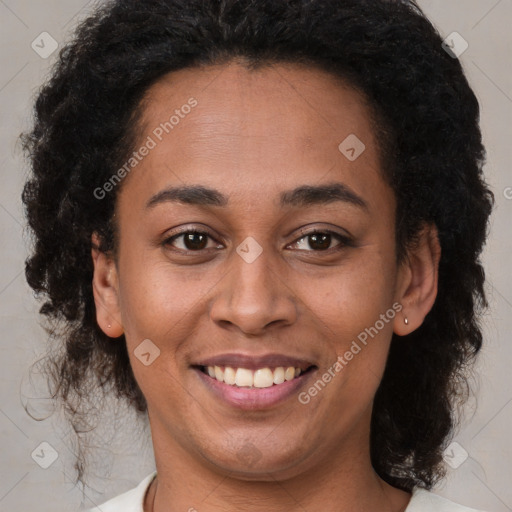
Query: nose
{"type": "Point", "coordinates": [253, 296]}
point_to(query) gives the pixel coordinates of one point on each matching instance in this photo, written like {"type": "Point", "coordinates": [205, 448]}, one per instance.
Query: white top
{"type": "Point", "coordinates": [421, 501]}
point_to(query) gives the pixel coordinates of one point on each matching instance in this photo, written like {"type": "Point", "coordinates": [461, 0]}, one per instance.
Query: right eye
{"type": "Point", "coordinates": [192, 241]}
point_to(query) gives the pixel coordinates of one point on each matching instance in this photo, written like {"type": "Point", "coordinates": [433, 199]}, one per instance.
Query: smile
{"type": "Point", "coordinates": [254, 390]}
{"type": "Point", "coordinates": [259, 378]}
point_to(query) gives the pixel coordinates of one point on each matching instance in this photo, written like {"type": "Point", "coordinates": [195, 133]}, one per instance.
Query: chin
{"type": "Point", "coordinates": [251, 463]}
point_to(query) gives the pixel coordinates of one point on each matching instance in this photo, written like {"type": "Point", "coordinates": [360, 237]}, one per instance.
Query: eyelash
{"type": "Point", "coordinates": [345, 241]}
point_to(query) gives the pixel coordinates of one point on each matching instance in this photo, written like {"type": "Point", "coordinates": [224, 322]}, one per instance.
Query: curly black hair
{"type": "Point", "coordinates": [426, 118]}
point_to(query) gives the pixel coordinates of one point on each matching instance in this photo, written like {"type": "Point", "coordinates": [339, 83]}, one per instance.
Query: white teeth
{"type": "Point", "coordinates": [219, 374]}
{"type": "Point", "coordinates": [279, 375]}
{"type": "Point", "coordinates": [244, 377]}
{"type": "Point", "coordinates": [229, 376]}
{"type": "Point", "coordinates": [261, 378]}
{"type": "Point", "coordinates": [289, 374]}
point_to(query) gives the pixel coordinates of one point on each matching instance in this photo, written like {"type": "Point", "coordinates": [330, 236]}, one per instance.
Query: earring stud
{"type": "Point", "coordinates": [406, 321]}
{"type": "Point", "coordinates": [109, 326]}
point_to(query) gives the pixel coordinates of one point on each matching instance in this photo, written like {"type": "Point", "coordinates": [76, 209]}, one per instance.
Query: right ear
{"type": "Point", "coordinates": [106, 291]}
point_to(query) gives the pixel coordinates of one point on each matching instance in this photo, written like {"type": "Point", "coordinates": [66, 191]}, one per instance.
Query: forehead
{"type": "Point", "coordinates": [284, 101]}
{"type": "Point", "coordinates": [250, 131]}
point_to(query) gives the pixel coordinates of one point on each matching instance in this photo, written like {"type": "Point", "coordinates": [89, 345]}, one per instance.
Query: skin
{"type": "Point", "coordinates": [252, 136]}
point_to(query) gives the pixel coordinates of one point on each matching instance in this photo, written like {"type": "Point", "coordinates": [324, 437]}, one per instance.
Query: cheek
{"type": "Point", "coordinates": [155, 299]}
{"type": "Point", "coordinates": [354, 294]}
{"type": "Point", "coordinates": [156, 308]}
{"type": "Point", "coordinates": [354, 310]}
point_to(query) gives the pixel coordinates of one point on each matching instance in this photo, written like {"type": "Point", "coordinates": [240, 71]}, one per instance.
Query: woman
{"type": "Point", "coordinates": [260, 222]}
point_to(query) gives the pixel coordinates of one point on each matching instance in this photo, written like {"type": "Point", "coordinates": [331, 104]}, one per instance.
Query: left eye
{"type": "Point", "coordinates": [320, 240]}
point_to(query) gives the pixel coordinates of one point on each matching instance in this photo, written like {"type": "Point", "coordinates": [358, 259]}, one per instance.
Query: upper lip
{"type": "Point", "coordinates": [253, 362]}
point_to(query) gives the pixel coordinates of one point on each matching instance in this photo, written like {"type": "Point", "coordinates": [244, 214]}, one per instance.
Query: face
{"type": "Point", "coordinates": [285, 257]}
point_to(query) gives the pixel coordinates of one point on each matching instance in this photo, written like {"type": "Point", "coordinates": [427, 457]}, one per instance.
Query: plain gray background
{"type": "Point", "coordinates": [482, 458]}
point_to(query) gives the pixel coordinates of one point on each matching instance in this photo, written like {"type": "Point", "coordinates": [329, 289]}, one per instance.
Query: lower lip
{"type": "Point", "coordinates": [251, 399]}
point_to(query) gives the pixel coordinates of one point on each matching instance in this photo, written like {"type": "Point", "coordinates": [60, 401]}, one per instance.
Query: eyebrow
{"type": "Point", "coordinates": [304, 195]}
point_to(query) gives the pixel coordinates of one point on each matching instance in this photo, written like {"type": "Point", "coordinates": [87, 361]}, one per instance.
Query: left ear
{"type": "Point", "coordinates": [418, 275]}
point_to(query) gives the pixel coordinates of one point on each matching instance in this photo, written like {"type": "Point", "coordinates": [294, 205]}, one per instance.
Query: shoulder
{"type": "Point", "coordinates": [426, 501]}
{"type": "Point", "coordinates": [130, 501]}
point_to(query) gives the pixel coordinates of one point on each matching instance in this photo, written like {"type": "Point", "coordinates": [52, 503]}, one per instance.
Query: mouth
{"type": "Point", "coordinates": [259, 378]}
{"type": "Point", "coordinates": [254, 383]}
